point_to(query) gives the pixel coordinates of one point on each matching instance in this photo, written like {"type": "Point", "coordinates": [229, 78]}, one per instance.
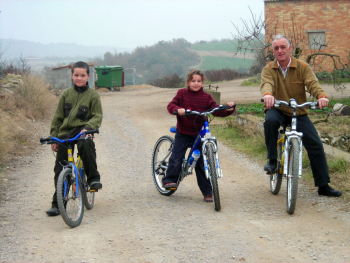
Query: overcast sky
{"type": "Point", "coordinates": [122, 23]}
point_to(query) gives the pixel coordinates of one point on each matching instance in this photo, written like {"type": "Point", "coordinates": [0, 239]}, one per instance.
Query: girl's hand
{"type": "Point", "coordinates": [181, 111]}
{"type": "Point", "coordinates": [230, 104]}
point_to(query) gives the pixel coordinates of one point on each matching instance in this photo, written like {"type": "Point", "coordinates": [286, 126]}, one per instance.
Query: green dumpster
{"type": "Point", "coordinates": [110, 77]}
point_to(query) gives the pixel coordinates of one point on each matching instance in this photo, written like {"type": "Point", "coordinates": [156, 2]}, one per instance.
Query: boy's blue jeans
{"type": "Point", "coordinates": [181, 144]}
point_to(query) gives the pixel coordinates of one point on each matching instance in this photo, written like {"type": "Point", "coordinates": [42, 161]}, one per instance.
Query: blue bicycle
{"type": "Point", "coordinates": [163, 148]}
{"type": "Point", "coordinates": [73, 191]}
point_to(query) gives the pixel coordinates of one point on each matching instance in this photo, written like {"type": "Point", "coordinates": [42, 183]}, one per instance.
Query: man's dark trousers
{"type": "Point", "coordinates": [87, 151]}
{"type": "Point", "coordinates": [313, 145]}
{"type": "Point", "coordinates": [181, 144]}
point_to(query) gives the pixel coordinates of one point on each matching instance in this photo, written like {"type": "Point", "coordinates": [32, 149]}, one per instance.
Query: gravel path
{"type": "Point", "coordinates": [132, 222]}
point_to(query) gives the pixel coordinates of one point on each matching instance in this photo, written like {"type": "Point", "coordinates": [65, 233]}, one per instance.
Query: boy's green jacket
{"type": "Point", "coordinates": [77, 109]}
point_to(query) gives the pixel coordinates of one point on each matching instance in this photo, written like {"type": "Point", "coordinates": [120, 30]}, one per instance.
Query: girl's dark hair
{"type": "Point", "coordinates": [81, 64]}
{"type": "Point", "coordinates": [195, 72]}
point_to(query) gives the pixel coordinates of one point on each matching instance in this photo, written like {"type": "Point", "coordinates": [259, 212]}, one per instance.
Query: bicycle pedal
{"type": "Point", "coordinates": [93, 190]}
{"type": "Point", "coordinates": [173, 188]}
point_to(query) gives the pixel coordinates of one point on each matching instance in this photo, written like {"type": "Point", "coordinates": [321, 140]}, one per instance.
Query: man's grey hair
{"type": "Point", "coordinates": [277, 37]}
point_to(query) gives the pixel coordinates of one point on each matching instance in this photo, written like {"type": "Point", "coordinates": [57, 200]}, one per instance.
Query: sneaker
{"type": "Point", "coordinates": [53, 211]}
{"type": "Point", "coordinates": [208, 198]}
{"type": "Point", "coordinates": [95, 185]}
{"type": "Point", "coordinates": [170, 185]}
{"type": "Point", "coordinates": [271, 166]}
{"type": "Point", "coordinates": [328, 191]}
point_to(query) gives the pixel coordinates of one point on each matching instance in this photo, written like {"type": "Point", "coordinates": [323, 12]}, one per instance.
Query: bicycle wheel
{"type": "Point", "coordinates": [276, 178]}
{"type": "Point", "coordinates": [70, 205]}
{"type": "Point", "coordinates": [213, 175]}
{"type": "Point", "coordinates": [160, 160]}
{"type": "Point", "coordinates": [89, 197]}
{"type": "Point", "coordinates": [292, 176]}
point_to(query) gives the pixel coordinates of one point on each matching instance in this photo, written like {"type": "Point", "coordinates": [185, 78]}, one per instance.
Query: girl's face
{"type": "Point", "coordinates": [195, 83]}
{"type": "Point", "coordinates": [80, 77]}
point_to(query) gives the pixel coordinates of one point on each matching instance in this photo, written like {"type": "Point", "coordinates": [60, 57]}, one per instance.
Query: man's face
{"type": "Point", "coordinates": [281, 50]}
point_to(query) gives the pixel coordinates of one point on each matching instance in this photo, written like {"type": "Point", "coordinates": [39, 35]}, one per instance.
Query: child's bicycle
{"type": "Point", "coordinates": [289, 154]}
{"type": "Point", "coordinates": [163, 148]}
{"type": "Point", "coordinates": [72, 189]}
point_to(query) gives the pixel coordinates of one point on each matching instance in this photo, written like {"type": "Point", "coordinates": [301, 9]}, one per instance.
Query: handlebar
{"type": "Point", "coordinates": [53, 140]}
{"type": "Point", "coordinates": [293, 104]}
{"type": "Point", "coordinates": [210, 111]}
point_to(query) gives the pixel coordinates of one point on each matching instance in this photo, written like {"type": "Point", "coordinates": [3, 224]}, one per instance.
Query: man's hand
{"type": "Point", "coordinates": [269, 100]}
{"type": "Point", "coordinates": [181, 111]}
{"type": "Point", "coordinates": [230, 104]}
{"type": "Point", "coordinates": [322, 102]}
{"type": "Point", "coordinates": [54, 147]}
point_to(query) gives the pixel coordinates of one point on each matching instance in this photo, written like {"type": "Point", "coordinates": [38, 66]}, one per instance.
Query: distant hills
{"type": "Point", "coordinates": [12, 49]}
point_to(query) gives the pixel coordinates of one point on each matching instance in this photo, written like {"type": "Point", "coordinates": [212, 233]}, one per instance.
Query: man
{"type": "Point", "coordinates": [283, 79]}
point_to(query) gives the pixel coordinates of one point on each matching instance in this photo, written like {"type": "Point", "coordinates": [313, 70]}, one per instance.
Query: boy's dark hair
{"type": "Point", "coordinates": [195, 72]}
{"type": "Point", "coordinates": [81, 64]}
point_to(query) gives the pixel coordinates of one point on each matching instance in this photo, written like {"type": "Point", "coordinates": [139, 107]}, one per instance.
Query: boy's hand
{"type": "Point", "coordinates": [231, 105]}
{"type": "Point", "coordinates": [181, 111]}
{"type": "Point", "coordinates": [54, 147]}
{"type": "Point", "coordinates": [88, 135]}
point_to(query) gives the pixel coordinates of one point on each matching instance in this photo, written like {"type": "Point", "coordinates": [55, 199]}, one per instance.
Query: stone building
{"type": "Point", "coordinates": [61, 78]}
{"type": "Point", "coordinates": [320, 21]}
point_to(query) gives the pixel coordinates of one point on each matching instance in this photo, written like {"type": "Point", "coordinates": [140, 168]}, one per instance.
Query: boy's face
{"type": "Point", "coordinates": [80, 77]}
{"type": "Point", "coordinates": [195, 83]}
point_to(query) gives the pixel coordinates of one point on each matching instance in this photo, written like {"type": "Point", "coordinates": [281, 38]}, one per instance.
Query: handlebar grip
{"type": "Point", "coordinates": [175, 113]}
{"type": "Point", "coordinates": [262, 100]}
{"type": "Point", "coordinates": [42, 140]}
{"type": "Point", "coordinates": [93, 131]}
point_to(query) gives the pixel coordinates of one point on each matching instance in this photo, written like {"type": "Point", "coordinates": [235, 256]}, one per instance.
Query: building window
{"type": "Point", "coordinates": [317, 39]}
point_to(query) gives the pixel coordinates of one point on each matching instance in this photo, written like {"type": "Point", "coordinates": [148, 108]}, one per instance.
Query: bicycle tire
{"type": "Point", "coordinates": [160, 160]}
{"type": "Point", "coordinates": [89, 197]}
{"type": "Point", "coordinates": [213, 175]}
{"type": "Point", "coordinates": [71, 207]}
{"type": "Point", "coordinates": [293, 175]}
{"type": "Point", "coordinates": [276, 178]}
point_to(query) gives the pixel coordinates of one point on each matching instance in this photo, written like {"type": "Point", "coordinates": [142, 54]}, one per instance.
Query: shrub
{"type": "Point", "coordinates": [216, 75]}
{"type": "Point", "coordinates": [172, 81]}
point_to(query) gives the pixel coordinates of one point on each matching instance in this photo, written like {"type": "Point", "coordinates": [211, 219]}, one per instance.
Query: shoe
{"type": "Point", "coordinates": [53, 211]}
{"type": "Point", "coordinates": [208, 198]}
{"type": "Point", "coordinates": [170, 185]}
{"type": "Point", "coordinates": [271, 166]}
{"type": "Point", "coordinates": [95, 185]}
{"type": "Point", "coordinates": [328, 191]}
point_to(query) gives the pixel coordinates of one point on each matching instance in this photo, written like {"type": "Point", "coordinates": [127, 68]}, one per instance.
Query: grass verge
{"type": "Point", "coordinates": [21, 111]}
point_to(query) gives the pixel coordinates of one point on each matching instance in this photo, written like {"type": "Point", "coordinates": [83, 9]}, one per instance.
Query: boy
{"type": "Point", "coordinates": [193, 97]}
{"type": "Point", "coordinates": [79, 109]}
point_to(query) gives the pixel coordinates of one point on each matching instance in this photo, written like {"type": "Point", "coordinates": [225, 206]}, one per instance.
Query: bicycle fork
{"type": "Point", "coordinates": [286, 155]}
{"type": "Point", "coordinates": [205, 159]}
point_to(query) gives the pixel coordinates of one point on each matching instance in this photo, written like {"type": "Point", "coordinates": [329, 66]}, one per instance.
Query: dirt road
{"type": "Point", "coordinates": [132, 222]}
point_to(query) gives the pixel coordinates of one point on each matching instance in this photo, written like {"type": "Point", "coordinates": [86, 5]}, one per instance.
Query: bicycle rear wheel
{"type": "Point", "coordinates": [89, 197]}
{"type": "Point", "coordinates": [276, 178]}
{"type": "Point", "coordinates": [213, 175]}
{"type": "Point", "coordinates": [160, 160]}
{"type": "Point", "coordinates": [292, 176]}
{"type": "Point", "coordinates": [71, 206]}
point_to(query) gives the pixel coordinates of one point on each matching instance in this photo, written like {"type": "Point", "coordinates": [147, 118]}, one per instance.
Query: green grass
{"type": "Point", "coordinates": [219, 46]}
{"type": "Point", "coordinates": [225, 62]}
{"type": "Point", "coordinates": [254, 82]}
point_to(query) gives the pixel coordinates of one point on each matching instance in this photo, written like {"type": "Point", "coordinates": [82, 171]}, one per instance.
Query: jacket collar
{"type": "Point", "coordinates": [293, 63]}
{"type": "Point", "coordinates": [194, 92]}
{"type": "Point", "coordinates": [80, 89]}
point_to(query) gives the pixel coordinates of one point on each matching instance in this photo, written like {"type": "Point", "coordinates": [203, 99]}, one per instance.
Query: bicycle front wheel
{"type": "Point", "coordinates": [276, 178]}
{"type": "Point", "coordinates": [71, 206]}
{"type": "Point", "coordinates": [213, 175]}
{"type": "Point", "coordinates": [160, 160]}
{"type": "Point", "coordinates": [293, 175]}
